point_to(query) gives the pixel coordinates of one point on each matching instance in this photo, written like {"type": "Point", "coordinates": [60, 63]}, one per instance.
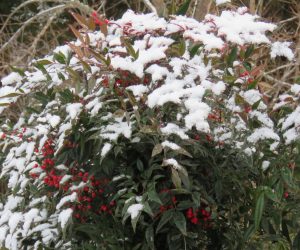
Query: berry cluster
{"type": "Point", "coordinates": [125, 79]}
{"type": "Point", "coordinates": [170, 200]}
{"type": "Point", "coordinates": [17, 132]}
{"type": "Point", "coordinates": [93, 197]}
{"type": "Point", "coordinates": [199, 217]}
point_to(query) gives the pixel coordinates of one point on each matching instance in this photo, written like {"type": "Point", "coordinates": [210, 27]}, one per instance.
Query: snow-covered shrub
{"type": "Point", "coordinates": [151, 134]}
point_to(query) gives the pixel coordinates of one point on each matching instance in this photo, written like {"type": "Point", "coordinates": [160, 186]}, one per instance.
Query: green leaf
{"type": "Point", "coordinates": [183, 8]}
{"type": "Point", "coordinates": [61, 76]}
{"type": "Point", "coordinates": [252, 85]}
{"type": "Point", "coordinates": [182, 205]}
{"type": "Point", "coordinates": [249, 51]}
{"type": "Point", "coordinates": [296, 241]}
{"type": "Point", "coordinates": [184, 177]}
{"type": "Point", "coordinates": [184, 152]}
{"type": "Point", "coordinates": [10, 95]}
{"type": "Point", "coordinates": [285, 230]}
{"type": "Point", "coordinates": [259, 208]}
{"type": "Point", "coordinates": [135, 220]}
{"type": "Point", "coordinates": [165, 218]}
{"type": "Point", "coordinates": [4, 104]}
{"type": "Point", "coordinates": [270, 194]}
{"type": "Point", "coordinates": [100, 57]}
{"type": "Point", "coordinates": [44, 62]}
{"type": "Point", "coordinates": [249, 232]}
{"type": "Point", "coordinates": [41, 67]}
{"type": "Point", "coordinates": [153, 196]}
{"type": "Point", "coordinates": [255, 105]}
{"type": "Point", "coordinates": [139, 165]}
{"type": "Point", "coordinates": [149, 235]}
{"type": "Point", "coordinates": [147, 209]}
{"type": "Point", "coordinates": [74, 74]}
{"type": "Point", "coordinates": [181, 47]}
{"type": "Point", "coordinates": [18, 70]}
{"type": "Point", "coordinates": [232, 56]}
{"type": "Point", "coordinates": [157, 150]}
{"type": "Point", "coordinates": [287, 176]}
{"type": "Point", "coordinates": [176, 179]}
{"type": "Point", "coordinates": [247, 66]}
{"type": "Point", "coordinates": [130, 49]}
{"type": "Point", "coordinates": [86, 67]}
{"type": "Point", "coordinates": [194, 50]}
{"type": "Point", "coordinates": [180, 222]}
{"type": "Point", "coordinates": [60, 57]}
{"type": "Point", "coordinates": [239, 100]}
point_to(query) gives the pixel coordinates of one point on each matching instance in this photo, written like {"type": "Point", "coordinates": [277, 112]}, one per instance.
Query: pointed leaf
{"type": "Point", "coordinates": [77, 33]}
{"type": "Point", "coordinates": [175, 178]}
{"type": "Point", "coordinates": [80, 19]}
{"type": "Point", "coordinates": [158, 148]}
{"type": "Point", "coordinates": [232, 56]}
{"type": "Point", "coordinates": [183, 8]}
{"type": "Point", "coordinates": [259, 208]}
{"type": "Point", "coordinates": [149, 235]}
{"type": "Point", "coordinates": [165, 218]}
{"type": "Point", "coordinates": [180, 222]}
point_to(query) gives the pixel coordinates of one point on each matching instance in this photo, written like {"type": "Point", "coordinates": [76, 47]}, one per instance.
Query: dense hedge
{"type": "Point", "coordinates": [151, 134]}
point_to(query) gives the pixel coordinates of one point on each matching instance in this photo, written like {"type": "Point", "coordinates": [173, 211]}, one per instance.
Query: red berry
{"type": "Point", "coordinates": [246, 73]}
{"type": "Point", "coordinates": [103, 208]}
{"type": "Point", "coordinates": [189, 213]}
{"type": "Point", "coordinates": [194, 220]}
{"type": "Point", "coordinates": [197, 137]}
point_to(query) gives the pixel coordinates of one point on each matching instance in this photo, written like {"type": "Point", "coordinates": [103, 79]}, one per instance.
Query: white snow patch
{"type": "Point", "coordinates": [282, 49]}
{"type": "Point", "coordinates": [64, 217]}
{"type": "Point", "coordinates": [134, 210]}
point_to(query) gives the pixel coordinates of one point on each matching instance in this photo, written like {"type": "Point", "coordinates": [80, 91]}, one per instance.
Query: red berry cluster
{"type": "Point", "coordinates": [17, 132]}
{"type": "Point", "coordinates": [47, 149]}
{"type": "Point", "coordinates": [125, 79]}
{"type": "Point", "coordinates": [99, 21]}
{"type": "Point", "coordinates": [199, 217]}
{"type": "Point", "coordinates": [170, 201]}
{"type": "Point", "coordinates": [93, 197]}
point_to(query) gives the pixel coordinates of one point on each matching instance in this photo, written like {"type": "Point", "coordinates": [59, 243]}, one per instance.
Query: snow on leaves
{"type": "Point", "coordinates": [149, 69]}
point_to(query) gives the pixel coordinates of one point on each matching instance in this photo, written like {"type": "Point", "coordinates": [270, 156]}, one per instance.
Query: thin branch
{"type": "Point", "coordinates": [22, 6]}
{"type": "Point", "coordinates": [281, 67]}
{"type": "Point", "coordinates": [29, 21]}
{"type": "Point", "coordinates": [288, 20]}
{"type": "Point", "coordinates": [54, 10]}
{"type": "Point", "coordinates": [43, 31]}
{"type": "Point", "coordinates": [195, 7]}
{"type": "Point", "coordinates": [278, 82]}
{"type": "Point", "coordinates": [150, 6]}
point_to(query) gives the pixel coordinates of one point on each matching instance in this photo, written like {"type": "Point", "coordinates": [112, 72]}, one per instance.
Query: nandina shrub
{"type": "Point", "coordinates": [151, 134]}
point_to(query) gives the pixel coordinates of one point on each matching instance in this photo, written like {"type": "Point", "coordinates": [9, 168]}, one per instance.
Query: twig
{"type": "Point", "coordinates": [150, 6]}
{"type": "Point", "coordinates": [278, 82]}
{"type": "Point", "coordinates": [281, 67]}
{"type": "Point", "coordinates": [54, 10]}
{"type": "Point", "coordinates": [43, 31]}
{"type": "Point", "coordinates": [288, 20]}
{"type": "Point", "coordinates": [195, 7]}
{"type": "Point", "coordinates": [29, 21]}
{"type": "Point", "coordinates": [22, 6]}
